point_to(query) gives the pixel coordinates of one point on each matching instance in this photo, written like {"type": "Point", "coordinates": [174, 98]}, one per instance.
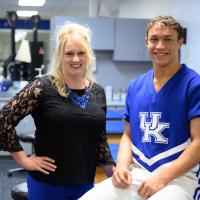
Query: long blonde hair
{"type": "Point", "coordinates": [82, 35]}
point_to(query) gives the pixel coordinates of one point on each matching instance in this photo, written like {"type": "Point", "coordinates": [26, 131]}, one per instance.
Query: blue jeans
{"type": "Point", "coordinates": [43, 191]}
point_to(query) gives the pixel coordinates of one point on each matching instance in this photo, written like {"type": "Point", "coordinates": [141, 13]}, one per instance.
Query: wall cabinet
{"type": "Point", "coordinates": [102, 30]}
{"type": "Point", "coordinates": [130, 40]}
{"type": "Point", "coordinates": [125, 37]}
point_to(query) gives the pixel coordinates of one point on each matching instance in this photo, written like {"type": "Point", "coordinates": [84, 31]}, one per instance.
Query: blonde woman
{"type": "Point", "coordinates": [69, 111]}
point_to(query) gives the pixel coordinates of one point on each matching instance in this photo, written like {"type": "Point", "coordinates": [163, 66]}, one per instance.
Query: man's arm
{"type": "Point", "coordinates": [186, 161]}
{"type": "Point", "coordinates": [122, 177]}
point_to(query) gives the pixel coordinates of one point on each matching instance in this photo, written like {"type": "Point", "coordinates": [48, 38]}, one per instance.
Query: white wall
{"type": "Point", "coordinates": [186, 12]}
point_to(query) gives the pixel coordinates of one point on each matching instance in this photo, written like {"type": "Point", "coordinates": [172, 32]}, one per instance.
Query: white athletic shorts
{"type": "Point", "coordinates": [182, 188]}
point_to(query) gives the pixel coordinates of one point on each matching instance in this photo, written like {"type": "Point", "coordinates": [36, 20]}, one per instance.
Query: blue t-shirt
{"type": "Point", "coordinates": [159, 121]}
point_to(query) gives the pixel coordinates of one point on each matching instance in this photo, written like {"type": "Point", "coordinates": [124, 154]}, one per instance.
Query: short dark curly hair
{"type": "Point", "coordinates": [166, 21]}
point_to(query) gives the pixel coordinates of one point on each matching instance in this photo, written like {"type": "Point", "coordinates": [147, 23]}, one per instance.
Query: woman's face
{"type": "Point", "coordinates": [74, 59]}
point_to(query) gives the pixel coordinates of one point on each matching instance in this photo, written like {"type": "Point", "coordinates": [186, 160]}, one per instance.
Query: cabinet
{"type": "Point", "coordinates": [102, 30]}
{"type": "Point", "coordinates": [125, 37]}
{"type": "Point", "coordinates": [130, 40]}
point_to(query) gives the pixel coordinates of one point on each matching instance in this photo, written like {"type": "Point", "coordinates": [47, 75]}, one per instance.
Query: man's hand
{"type": "Point", "coordinates": [122, 178]}
{"type": "Point", "coordinates": [151, 186]}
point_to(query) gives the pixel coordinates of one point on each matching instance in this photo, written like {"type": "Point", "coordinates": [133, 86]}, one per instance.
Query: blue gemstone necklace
{"type": "Point", "coordinates": [81, 101]}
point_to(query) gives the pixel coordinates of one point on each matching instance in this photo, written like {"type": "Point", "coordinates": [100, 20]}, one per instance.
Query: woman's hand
{"type": "Point", "coordinates": [39, 163]}
{"type": "Point", "coordinates": [122, 177]}
{"type": "Point", "coordinates": [34, 163]}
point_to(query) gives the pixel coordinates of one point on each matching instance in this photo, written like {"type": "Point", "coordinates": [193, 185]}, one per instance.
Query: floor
{"type": "Point", "coordinates": [6, 183]}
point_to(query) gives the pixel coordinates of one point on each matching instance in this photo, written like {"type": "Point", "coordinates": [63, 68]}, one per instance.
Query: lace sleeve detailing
{"type": "Point", "coordinates": [103, 153]}
{"type": "Point", "coordinates": [22, 104]}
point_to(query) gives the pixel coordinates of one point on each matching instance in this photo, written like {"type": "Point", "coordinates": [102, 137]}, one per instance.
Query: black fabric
{"type": "Point", "coordinates": [15, 110]}
{"type": "Point", "coordinates": [73, 136]}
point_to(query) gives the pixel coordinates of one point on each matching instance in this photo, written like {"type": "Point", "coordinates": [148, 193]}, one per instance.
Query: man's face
{"type": "Point", "coordinates": [163, 45]}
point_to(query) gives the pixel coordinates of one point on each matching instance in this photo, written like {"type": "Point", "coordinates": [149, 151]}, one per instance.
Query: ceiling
{"type": "Point", "coordinates": [66, 7]}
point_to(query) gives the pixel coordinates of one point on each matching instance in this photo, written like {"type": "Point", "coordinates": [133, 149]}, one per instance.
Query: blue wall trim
{"type": "Point", "coordinates": [25, 24]}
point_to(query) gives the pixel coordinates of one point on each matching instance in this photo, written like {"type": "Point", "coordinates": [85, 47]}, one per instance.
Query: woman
{"type": "Point", "coordinates": [69, 111]}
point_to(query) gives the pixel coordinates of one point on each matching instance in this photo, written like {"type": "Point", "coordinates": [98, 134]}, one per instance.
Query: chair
{"type": "Point", "coordinates": [115, 129]}
{"type": "Point", "coordinates": [114, 121]}
{"type": "Point", "coordinates": [28, 137]}
{"type": "Point", "coordinates": [20, 191]}
{"type": "Point", "coordinates": [114, 150]}
{"type": "Point", "coordinates": [114, 114]}
{"type": "Point", "coordinates": [114, 125]}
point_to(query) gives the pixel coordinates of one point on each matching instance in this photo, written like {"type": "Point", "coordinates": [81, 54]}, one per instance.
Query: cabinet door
{"type": "Point", "coordinates": [102, 30]}
{"type": "Point", "coordinates": [103, 33]}
{"type": "Point", "coordinates": [129, 40]}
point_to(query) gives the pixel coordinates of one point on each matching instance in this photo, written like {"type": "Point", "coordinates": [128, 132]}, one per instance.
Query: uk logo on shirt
{"type": "Point", "coordinates": [153, 128]}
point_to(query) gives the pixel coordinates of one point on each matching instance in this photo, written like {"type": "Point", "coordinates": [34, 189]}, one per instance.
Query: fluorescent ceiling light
{"type": "Point", "coordinates": [23, 13]}
{"type": "Point", "coordinates": [31, 2]}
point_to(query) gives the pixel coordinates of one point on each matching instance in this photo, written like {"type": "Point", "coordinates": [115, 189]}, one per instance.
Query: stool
{"type": "Point", "coordinates": [20, 191]}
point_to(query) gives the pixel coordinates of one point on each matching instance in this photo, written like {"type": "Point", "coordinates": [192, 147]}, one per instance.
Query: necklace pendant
{"type": "Point", "coordinates": [81, 101]}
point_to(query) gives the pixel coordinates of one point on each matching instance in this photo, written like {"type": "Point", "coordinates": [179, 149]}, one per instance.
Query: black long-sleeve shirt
{"type": "Point", "coordinates": [73, 136]}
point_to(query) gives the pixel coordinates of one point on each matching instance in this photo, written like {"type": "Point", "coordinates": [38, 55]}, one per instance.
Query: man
{"type": "Point", "coordinates": [162, 131]}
